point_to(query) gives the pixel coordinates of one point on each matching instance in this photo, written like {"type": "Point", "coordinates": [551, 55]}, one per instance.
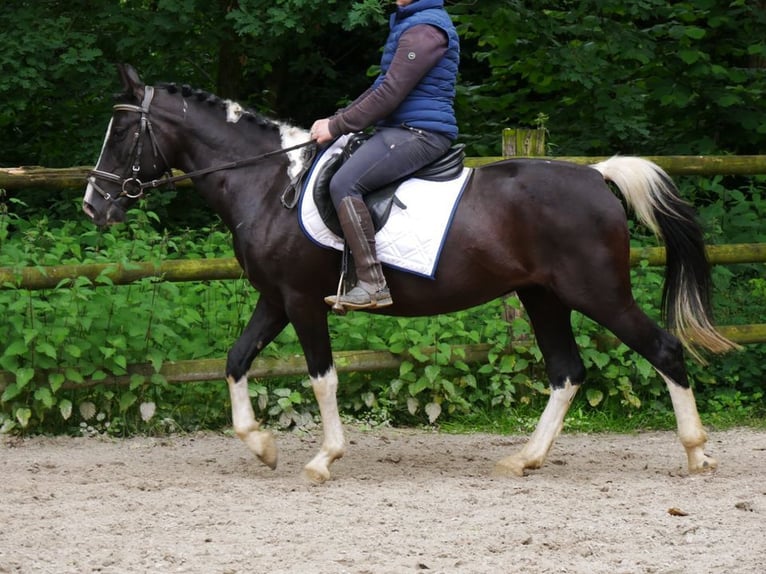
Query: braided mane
{"type": "Point", "coordinates": [216, 101]}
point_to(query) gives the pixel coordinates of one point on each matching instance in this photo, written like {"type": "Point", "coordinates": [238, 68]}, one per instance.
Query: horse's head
{"type": "Point", "coordinates": [130, 155]}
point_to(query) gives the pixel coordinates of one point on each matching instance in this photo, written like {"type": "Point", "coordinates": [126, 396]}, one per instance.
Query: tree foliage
{"type": "Point", "coordinates": [606, 75]}
{"type": "Point", "coordinates": [287, 58]}
{"type": "Point", "coordinates": [615, 76]}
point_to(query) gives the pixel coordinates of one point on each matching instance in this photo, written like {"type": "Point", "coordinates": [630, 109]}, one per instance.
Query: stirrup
{"type": "Point", "coordinates": [334, 300]}
{"type": "Point", "coordinates": [359, 298]}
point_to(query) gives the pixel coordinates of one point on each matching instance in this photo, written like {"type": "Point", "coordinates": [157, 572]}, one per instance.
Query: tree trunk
{"type": "Point", "coordinates": [230, 58]}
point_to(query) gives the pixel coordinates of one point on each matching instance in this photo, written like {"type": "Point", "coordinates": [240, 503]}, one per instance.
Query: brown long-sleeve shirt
{"type": "Point", "coordinates": [419, 49]}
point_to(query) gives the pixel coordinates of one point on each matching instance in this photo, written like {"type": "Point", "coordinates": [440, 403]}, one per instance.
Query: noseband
{"type": "Point", "coordinates": [132, 187]}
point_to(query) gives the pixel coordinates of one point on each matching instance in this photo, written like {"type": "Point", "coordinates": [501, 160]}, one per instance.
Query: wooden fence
{"type": "Point", "coordinates": [33, 278]}
{"type": "Point", "coordinates": [36, 177]}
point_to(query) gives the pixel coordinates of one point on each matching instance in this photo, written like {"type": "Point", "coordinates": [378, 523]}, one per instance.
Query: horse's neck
{"type": "Point", "coordinates": [213, 139]}
{"type": "Point", "coordinates": [229, 190]}
{"type": "Point", "coordinates": [243, 193]}
{"type": "Point", "coordinates": [199, 148]}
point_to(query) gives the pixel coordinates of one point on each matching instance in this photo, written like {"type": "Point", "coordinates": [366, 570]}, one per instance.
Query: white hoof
{"type": "Point", "coordinates": [509, 466]}
{"type": "Point", "coordinates": [700, 462]}
{"type": "Point", "coordinates": [316, 473]}
{"type": "Point", "coordinates": [318, 470]}
{"type": "Point", "coordinates": [263, 445]}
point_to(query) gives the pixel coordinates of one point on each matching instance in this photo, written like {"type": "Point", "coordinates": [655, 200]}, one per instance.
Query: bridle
{"type": "Point", "coordinates": [132, 187]}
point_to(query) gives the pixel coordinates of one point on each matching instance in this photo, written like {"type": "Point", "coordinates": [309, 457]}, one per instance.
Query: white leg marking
{"type": "Point", "coordinates": [690, 431]}
{"type": "Point", "coordinates": [548, 428]}
{"type": "Point", "coordinates": [261, 443]}
{"type": "Point", "coordinates": [333, 444]}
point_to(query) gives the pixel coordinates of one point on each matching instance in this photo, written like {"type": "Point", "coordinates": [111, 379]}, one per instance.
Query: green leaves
{"type": "Point", "coordinates": [604, 73]}
{"type": "Point", "coordinates": [644, 77]}
{"type": "Point", "coordinates": [127, 400]}
{"type": "Point", "coordinates": [594, 396]}
{"type": "Point", "coordinates": [11, 392]}
{"type": "Point", "coordinates": [15, 348]}
{"type": "Point", "coordinates": [57, 339]}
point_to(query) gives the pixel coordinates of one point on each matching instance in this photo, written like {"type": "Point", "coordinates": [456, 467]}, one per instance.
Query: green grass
{"type": "Point", "coordinates": [581, 418]}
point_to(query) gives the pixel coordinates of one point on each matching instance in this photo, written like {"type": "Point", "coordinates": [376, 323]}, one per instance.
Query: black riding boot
{"type": "Point", "coordinates": [371, 290]}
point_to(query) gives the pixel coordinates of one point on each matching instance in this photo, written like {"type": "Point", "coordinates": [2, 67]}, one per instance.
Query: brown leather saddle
{"type": "Point", "coordinates": [380, 201]}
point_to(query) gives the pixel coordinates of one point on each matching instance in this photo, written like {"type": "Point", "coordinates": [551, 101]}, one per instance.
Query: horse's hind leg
{"type": "Point", "coordinates": [690, 431]}
{"type": "Point", "coordinates": [665, 353]}
{"type": "Point", "coordinates": [553, 331]}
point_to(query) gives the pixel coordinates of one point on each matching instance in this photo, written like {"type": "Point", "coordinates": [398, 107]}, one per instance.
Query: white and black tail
{"type": "Point", "coordinates": [654, 198]}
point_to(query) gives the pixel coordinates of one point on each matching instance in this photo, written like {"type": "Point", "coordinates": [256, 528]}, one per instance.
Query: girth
{"type": "Point", "coordinates": [380, 201]}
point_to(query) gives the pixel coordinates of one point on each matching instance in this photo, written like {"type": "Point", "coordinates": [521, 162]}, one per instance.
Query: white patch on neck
{"type": "Point", "coordinates": [293, 136]}
{"type": "Point", "coordinates": [233, 111]}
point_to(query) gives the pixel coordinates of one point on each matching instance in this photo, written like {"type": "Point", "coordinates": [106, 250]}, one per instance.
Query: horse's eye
{"type": "Point", "coordinates": [119, 133]}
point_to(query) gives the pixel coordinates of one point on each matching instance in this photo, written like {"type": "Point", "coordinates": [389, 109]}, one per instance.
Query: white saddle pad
{"type": "Point", "coordinates": [413, 237]}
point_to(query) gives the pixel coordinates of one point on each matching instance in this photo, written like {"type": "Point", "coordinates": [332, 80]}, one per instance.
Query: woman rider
{"type": "Point", "coordinates": [411, 106]}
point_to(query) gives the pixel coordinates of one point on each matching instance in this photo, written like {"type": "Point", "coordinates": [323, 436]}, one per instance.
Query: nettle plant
{"type": "Point", "coordinates": [57, 341]}
{"type": "Point", "coordinates": [435, 380]}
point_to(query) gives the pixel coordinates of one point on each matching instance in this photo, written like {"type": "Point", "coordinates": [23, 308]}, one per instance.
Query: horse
{"type": "Point", "coordinates": [552, 231]}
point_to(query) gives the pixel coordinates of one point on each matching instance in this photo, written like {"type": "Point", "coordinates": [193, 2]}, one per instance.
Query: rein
{"type": "Point", "coordinates": [133, 188]}
{"type": "Point", "coordinates": [224, 166]}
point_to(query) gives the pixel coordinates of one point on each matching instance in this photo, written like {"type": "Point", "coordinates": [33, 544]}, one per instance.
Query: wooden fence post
{"type": "Point", "coordinates": [524, 142]}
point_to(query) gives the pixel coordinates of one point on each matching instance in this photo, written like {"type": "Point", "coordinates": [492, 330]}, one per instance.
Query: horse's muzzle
{"type": "Point", "coordinates": [88, 209]}
{"type": "Point", "coordinates": [113, 214]}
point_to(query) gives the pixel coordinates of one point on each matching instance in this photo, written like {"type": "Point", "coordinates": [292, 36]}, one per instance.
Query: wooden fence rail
{"type": "Point", "coordinates": [177, 270]}
{"type": "Point", "coordinates": [36, 177]}
{"type": "Point", "coordinates": [199, 370]}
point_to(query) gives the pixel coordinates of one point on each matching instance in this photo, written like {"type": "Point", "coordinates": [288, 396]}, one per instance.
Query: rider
{"type": "Point", "coordinates": [411, 106]}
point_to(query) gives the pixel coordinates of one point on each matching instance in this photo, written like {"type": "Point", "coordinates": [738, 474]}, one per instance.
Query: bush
{"type": "Point", "coordinates": [58, 339]}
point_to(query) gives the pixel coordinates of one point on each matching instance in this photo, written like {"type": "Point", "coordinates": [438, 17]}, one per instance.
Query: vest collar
{"type": "Point", "coordinates": [417, 6]}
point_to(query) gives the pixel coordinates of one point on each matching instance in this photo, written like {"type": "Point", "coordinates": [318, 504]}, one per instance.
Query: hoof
{"type": "Point", "coordinates": [509, 466]}
{"type": "Point", "coordinates": [263, 445]}
{"type": "Point", "coordinates": [316, 473]}
{"type": "Point", "coordinates": [317, 470]}
{"type": "Point", "coordinates": [705, 464]}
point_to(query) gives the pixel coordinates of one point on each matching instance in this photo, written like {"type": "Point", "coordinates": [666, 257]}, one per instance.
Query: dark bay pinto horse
{"type": "Point", "coordinates": [551, 231]}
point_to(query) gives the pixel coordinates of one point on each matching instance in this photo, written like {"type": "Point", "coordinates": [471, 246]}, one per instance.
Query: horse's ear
{"type": "Point", "coordinates": [131, 83]}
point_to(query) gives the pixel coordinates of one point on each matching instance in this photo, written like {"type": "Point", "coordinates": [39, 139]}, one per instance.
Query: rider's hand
{"type": "Point", "coordinates": [320, 131]}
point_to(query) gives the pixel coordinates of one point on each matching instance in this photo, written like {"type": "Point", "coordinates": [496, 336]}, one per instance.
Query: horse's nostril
{"type": "Point", "coordinates": [88, 209]}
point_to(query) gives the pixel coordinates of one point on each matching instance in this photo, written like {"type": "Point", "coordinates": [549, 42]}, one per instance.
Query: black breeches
{"type": "Point", "coordinates": [388, 155]}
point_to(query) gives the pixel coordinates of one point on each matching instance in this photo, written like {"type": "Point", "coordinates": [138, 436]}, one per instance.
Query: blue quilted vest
{"type": "Point", "coordinates": [429, 105]}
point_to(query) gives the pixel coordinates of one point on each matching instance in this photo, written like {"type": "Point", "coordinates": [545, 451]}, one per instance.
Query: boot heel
{"type": "Point", "coordinates": [382, 298]}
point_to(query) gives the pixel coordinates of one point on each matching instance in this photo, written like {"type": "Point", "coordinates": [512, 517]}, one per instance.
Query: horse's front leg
{"type": "Point", "coordinates": [311, 328]}
{"type": "Point", "coordinates": [265, 324]}
{"type": "Point", "coordinates": [333, 443]}
{"type": "Point", "coordinates": [261, 443]}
